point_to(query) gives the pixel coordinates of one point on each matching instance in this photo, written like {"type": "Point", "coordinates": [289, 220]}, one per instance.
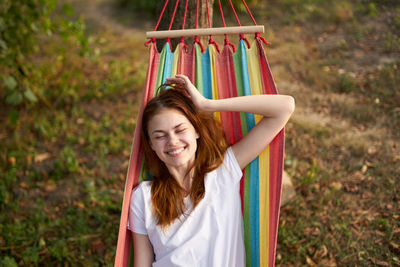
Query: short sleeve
{"type": "Point", "coordinates": [231, 166]}
{"type": "Point", "coordinates": [136, 221]}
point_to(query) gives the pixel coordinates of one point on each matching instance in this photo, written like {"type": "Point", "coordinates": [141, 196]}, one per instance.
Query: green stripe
{"type": "Point", "coordinates": [246, 195]}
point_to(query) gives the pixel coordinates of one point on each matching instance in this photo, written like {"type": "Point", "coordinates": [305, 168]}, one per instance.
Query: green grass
{"type": "Point", "coordinates": [63, 162]}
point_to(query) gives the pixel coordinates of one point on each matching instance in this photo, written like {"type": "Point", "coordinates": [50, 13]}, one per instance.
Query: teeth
{"type": "Point", "coordinates": [175, 152]}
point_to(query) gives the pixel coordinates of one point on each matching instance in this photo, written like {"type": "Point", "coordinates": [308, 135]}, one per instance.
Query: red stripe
{"type": "Point", "coordinates": [276, 160]}
{"type": "Point", "coordinates": [124, 239]}
{"type": "Point", "coordinates": [226, 83]}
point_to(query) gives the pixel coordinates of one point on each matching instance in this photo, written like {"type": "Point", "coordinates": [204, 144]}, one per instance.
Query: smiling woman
{"type": "Point", "coordinates": [174, 140]}
{"type": "Point", "coordinates": [190, 211]}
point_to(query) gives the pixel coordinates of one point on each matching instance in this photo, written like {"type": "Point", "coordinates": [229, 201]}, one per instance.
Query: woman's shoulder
{"type": "Point", "coordinates": [144, 185]}
{"type": "Point", "coordinates": [230, 170]}
{"type": "Point", "coordinates": [143, 189]}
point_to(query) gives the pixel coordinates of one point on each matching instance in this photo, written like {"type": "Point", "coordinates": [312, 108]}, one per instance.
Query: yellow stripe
{"type": "Point", "coordinates": [174, 69]}
{"type": "Point", "coordinates": [213, 54]}
{"type": "Point", "coordinates": [263, 159]}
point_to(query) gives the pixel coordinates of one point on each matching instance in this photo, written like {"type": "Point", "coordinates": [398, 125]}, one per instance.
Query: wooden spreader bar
{"type": "Point", "coordinates": [205, 32]}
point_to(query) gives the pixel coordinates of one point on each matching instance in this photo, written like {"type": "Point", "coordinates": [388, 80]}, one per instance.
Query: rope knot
{"type": "Point", "coordinates": [244, 39]}
{"type": "Point", "coordinates": [230, 44]}
{"type": "Point", "coordinates": [197, 41]}
{"type": "Point", "coordinates": [152, 40]}
{"type": "Point", "coordinates": [211, 41]}
{"type": "Point", "coordinates": [262, 39]}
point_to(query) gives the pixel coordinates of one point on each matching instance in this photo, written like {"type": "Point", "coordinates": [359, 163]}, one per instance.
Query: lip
{"type": "Point", "coordinates": [175, 152]}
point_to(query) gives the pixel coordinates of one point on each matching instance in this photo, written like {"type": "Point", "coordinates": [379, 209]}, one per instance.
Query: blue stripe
{"type": "Point", "coordinates": [254, 193]}
{"type": "Point", "coordinates": [169, 59]}
{"type": "Point", "coordinates": [206, 74]}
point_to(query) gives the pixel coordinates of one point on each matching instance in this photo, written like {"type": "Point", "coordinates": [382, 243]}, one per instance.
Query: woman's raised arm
{"type": "Point", "coordinates": [275, 109]}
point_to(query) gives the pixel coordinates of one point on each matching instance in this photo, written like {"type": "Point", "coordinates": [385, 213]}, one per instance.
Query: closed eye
{"type": "Point", "coordinates": [181, 130]}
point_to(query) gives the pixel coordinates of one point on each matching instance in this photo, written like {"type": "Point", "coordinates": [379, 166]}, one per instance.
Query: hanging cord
{"type": "Point", "coordinates": [211, 40]}
{"type": "Point", "coordinates": [257, 35]}
{"type": "Point", "coordinates": [168, 40]}
{"type": "Point", "coordinates": [223, 21]}
{"type": "Point", "coordinates": [196, 38]}
{"type": "Point", "coordinates": [183, 26]}
{"type": "Point", "coordinates": [153, 40]}
{"type": "Point", "coordinates": [238, 21]}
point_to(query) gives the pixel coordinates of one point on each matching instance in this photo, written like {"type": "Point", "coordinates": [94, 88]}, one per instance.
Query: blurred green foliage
{"type": "Point", "coordinates": [150, 6]}
{"type": "Point", "coordinates": [22, 24]}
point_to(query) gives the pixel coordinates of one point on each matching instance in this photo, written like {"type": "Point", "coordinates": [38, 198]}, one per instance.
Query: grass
{"type": "Point", "coordinates": [63, 163]}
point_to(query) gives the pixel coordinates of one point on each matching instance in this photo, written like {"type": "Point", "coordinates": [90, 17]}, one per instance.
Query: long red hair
{"type": "Point", "coordinates": [167, 194]}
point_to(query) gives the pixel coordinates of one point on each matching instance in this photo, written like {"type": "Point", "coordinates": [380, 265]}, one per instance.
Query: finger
{"type": "Point", "coordinates": [174, 80]}
{"type": "Point", "coordinates": [181, 76]}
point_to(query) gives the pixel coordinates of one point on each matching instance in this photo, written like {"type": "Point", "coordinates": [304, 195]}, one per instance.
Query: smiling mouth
{"type": "Point", "coordinates": [175, 152]}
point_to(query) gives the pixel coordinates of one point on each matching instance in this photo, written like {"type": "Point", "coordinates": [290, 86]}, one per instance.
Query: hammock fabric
{"type": "Point", "coordinates": [220, 75]}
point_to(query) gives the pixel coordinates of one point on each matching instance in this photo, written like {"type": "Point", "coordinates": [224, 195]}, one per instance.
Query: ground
{"type": "Point", "coordinates": [339, 60]}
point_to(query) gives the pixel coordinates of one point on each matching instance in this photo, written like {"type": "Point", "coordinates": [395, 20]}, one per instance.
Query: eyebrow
{"type": "Point", "coordinates": [161, 131]}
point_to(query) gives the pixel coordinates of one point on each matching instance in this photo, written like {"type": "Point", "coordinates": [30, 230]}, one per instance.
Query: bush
{"type": "Point", "coordinates": [22, 23]}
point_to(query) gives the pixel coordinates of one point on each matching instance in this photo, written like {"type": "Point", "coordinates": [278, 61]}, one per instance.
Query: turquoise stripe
{"type": "Point", "coordinates": [206, 74]}
{"type": "Point", "coordinates": [169, 59]}
{"type": "Point", "coordinates": [254, 193]}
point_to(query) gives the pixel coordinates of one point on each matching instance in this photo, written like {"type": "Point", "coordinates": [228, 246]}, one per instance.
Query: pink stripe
{"type": "Point", "coordinates": [186, 62]}
{"type": "Point", "coordinates": [124, 239]}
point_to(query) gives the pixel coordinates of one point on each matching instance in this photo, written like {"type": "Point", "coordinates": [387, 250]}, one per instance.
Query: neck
{"type": "Point", "coordinates": [183, 175]}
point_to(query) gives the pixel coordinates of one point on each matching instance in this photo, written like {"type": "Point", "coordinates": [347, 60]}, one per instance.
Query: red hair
{"type": "Point", "coordinates": [167, 194]}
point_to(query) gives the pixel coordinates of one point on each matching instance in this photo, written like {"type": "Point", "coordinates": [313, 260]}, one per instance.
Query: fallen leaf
{"type": "Point", "coordinates": [395, 247]}
{"type": "Point", "coordinates": [364, 168]}
{"type": "Point", "coordinates": [310, 262]}
{"type": "Point", "coordinates": [41, 157]}
{"type": "Point", "coordinates": [379, 262]}
{"type": "Point", "coordinates": [321, 253]}
{"type": "Point", "coordinates": [336, 185]}
{"type": "Point", "coordinates": [327, 263]}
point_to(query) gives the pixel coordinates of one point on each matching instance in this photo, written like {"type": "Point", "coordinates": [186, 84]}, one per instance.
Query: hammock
{"type": "Point", "coordinates": [220, 74]}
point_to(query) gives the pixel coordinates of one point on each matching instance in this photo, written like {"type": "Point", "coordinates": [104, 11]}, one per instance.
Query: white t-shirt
{"type": "Point", "coordinates": [210, 235]}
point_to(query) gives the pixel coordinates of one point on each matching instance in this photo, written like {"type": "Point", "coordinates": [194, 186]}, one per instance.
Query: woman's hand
{"type": "Point", "coordinates": [201, 103]}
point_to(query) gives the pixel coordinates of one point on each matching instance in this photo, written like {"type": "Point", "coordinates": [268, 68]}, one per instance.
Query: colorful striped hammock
{"type": "Point", "coordinates": [221, 75]}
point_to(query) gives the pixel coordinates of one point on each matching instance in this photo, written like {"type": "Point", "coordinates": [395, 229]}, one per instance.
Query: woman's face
{"type": "Point", "coordinates": [173, 138]}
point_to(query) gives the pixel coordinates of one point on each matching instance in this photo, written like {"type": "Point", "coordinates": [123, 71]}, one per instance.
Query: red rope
{"type": "Point", "coordinates": [244, 39]}
{"type": "Point", "coordinates": [211, 40]}
{"type": "Point", "coordinates": [162, 13]}
{"type": "Point", "coordinates": [234, 12]}
{"type": "Point", "coordinates": [222, 13]}
{"type": "Point", "coordinates": [197, 13]}
{"type": "Point", "coordinates": [184, 16]}
{"type": "Point", "coordinates": [196, 38]}
{"type": "Point", "coordinates": [153, 40]}
{"type": "Point", "coordinates": [262, 39]}
{"type": "Point", "coordinates": [197, 41]}
{"type": "Point", "coordinates": [170, 24]}
{"type": "Point", "coordinates": [223, 22]}
{"type": "Point", "coordinates": [208, 15]}
{"type": "Point", "coordinates": [238, 21]}
{"type": "Point", "coordinates": [254, 21]}
{"type": "Point", "coordinates": [173, 15]}
{"type": "Point", "coordinates": [248, 11]}
{"type": "Point", "coordinates": [183, 26]}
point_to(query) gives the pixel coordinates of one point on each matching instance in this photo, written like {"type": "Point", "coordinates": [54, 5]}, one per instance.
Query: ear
{"type": "Point", "coordinates": [197, 135]}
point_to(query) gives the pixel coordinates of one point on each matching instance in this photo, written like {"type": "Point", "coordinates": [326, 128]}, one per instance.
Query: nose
{"type": "Point", "coordinates": [173, 139]}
